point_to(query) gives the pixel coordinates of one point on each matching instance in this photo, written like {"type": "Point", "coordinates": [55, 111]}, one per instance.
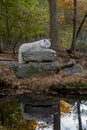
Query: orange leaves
{"type": "Point", "coordinates": [64, 107]}
{"type": "Point", "coordinates": [32, 125]}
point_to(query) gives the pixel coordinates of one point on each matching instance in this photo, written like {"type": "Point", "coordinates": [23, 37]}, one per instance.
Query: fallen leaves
{"type": "Point", "coordinates": [39, 83]}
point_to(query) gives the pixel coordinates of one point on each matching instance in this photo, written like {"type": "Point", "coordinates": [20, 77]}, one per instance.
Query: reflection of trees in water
{"type": "Point", "coordinates": [11, 118]}
{"type": "Point", "coordinates": [1, 115]}
{"type": "Point", "coordinates": [79, 115]}
{"type": "Point", "coordinates": [56, 116]}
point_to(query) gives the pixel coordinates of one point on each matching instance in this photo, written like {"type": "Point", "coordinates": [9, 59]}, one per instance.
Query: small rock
{"type": "Point", "coordinates": [69, 63]}
{"type": "Point", "coordinates": [74, 69]}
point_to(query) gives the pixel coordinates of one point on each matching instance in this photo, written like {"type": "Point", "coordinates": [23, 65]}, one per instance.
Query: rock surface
{"type": "Point", "coordinates": [25, 71]}
{"type": "Point", "coordinates": [70, 63]}
{"type": "Point", "coordinates": [40, 55]}
{"type": "Point", "coordinates": [12, 66]}
{"type": "Point", "coordinates": [74, 69]}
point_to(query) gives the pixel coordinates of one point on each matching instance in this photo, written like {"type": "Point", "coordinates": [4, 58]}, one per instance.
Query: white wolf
{"type": "Point", "coordinates": [34, 46]}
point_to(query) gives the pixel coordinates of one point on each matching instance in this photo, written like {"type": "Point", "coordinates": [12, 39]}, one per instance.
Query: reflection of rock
{"type": "Point", "coordinates": [40, 110]}
{"type": "Point", "coordinates": [74, 69]}
{"type": "Point", "coordinates": [38, 113]}
{"type": "Point", "coordinates": [39, 56]}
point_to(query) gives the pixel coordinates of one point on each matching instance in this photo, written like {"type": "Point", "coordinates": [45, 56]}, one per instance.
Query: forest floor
{"type": "Point", "coordinates": [43, 83]}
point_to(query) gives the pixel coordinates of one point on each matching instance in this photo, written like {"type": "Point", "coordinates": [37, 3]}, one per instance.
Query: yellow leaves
{"type": "Point", "coordinates": [65, 4]}
{"type": "Point", "coordinates": [64, 107]}
{"type": "Point", "coordinates": [61, 16]}
{"type": "Point", "coordinates": [68, 4]}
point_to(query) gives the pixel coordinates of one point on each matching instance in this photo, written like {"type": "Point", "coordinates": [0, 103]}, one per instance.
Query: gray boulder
{"type": "Point", "coordinates": [74, 69]}
{"type": "Point", "coordinates": [39, 55]}
{"type": "Point", "coordinates": [25, 71]}
{"type": "Point", "coordinates": [45, 66]}
{"type": "Point", "coordinates": [12, 66]}
{"type": "Point", "coordinates": [70, 63]}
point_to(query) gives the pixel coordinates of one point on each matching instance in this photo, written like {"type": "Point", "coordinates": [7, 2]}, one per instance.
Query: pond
{"type": "Point", "coordinates": [25, 112]}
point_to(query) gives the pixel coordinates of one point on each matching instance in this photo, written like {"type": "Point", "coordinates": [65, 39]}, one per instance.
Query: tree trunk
{"type": "Point", "coordinates": [53, 23]}
{"type": "Point", "coordinates": [80, 27]}
{"type": "Point", "coordinates": [57, 116]}
{"type": "Point", "coordinates": [79, 116]}
{"type": "Point", "coordinates": [73, 47]}
{"type": "Point", "coordinates": [7, 25]}
{"type": "Point", "coordinates": [1, 44]}
{"type": "Point", "coordinates": [1, 41]}
{"type": "Point", "coordinates": [2, 115]}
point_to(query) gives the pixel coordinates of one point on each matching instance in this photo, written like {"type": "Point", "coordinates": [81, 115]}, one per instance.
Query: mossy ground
{"type": "Point", "coordinates": [76, 85]}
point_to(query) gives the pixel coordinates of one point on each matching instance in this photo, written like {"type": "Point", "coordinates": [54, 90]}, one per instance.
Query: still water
{"type": "Point", "coordinates": [25, 112]}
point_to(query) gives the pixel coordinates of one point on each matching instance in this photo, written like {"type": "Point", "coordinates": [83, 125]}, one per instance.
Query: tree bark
{"type": "Point", "coordinates": [1, 41]}
{"type": "Point", "coordinates": [53, 23]}
{"type": "Point", "coordinates": [1, 44]}
{"type": "Point", "coordinates": [80, 27]}
{"type": "Point", "coordinates": [79, 116]}
{"type": "Point", "coordinates": [57, 117]}
{"type": "Point", "coordinates": [2, 115]}
{"type": "Point", "coordinates": [73, 46]}
{"type": "Point", "coordinates": [7, 25]}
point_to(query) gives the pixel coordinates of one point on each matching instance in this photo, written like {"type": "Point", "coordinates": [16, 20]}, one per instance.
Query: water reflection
{"type": "Point", "coordinates": [28, 113]}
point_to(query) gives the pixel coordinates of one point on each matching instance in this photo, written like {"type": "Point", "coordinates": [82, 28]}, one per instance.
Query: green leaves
{"type": "Point", "coordinates": [29, 17]}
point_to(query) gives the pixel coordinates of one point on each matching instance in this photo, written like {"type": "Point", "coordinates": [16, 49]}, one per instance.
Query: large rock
{"type": "Point", "coordinates": [39, 55]}
{"type": "Point", "coordinates": [45, 66]}
{"type": "Point", "coordinates": [33, 68]}
{"type": "Point", "coordinates": [74, 69]}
